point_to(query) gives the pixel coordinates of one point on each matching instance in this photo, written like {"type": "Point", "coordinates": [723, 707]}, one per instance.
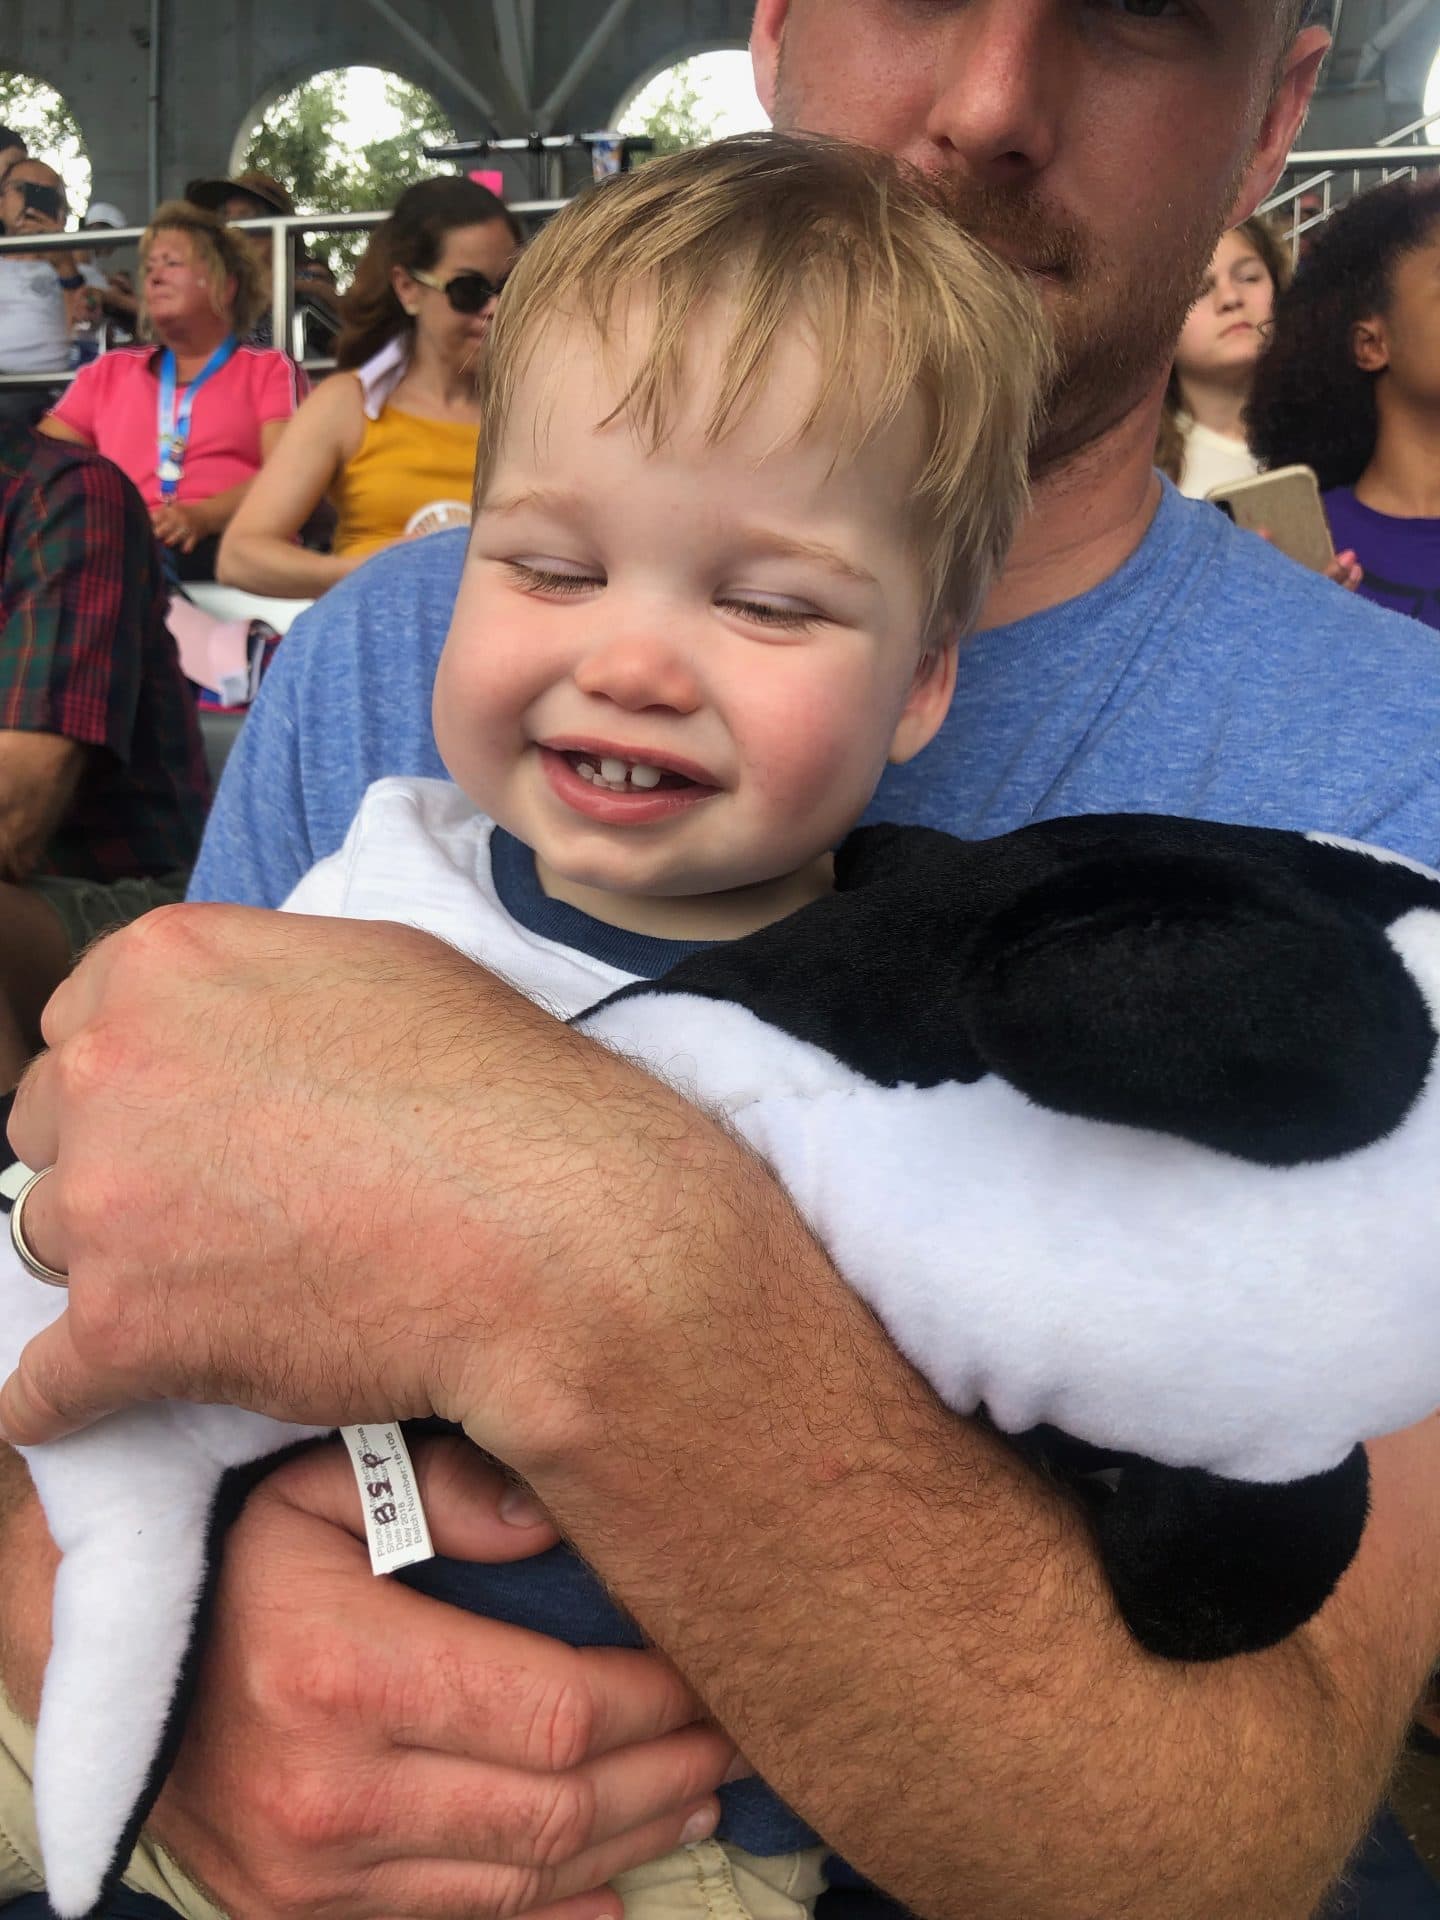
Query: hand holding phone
{"type": "Point", "coordinates": [1285, 507]}
{"type": "Point", "coordinates": [44, 206]}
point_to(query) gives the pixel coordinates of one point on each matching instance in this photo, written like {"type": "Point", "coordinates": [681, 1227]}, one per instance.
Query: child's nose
{"type": "Point", "coordinates": [636, 672]}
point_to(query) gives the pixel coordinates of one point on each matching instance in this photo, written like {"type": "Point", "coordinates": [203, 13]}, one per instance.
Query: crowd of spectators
{"type": "Point", "coordinates": [118, 480]}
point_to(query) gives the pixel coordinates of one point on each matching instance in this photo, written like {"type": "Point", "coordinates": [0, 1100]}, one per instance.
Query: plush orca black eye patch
{"type": "Point", "coordinates": [1197, 998]}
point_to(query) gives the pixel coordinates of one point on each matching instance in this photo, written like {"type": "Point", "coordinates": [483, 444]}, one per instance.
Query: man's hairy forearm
{"type": "Point", "coordinates": [908, 1633]}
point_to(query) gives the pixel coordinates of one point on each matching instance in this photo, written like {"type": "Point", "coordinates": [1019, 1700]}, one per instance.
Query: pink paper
{"type": "Point", "coordinates": [211, 651]}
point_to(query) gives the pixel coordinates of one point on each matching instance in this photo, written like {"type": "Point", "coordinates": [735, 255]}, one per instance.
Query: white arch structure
{"type": "Point", "coordinates": [658, 69]}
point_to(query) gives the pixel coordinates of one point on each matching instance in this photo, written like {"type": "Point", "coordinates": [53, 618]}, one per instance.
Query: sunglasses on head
{"type": "Point", "coordinates": [466, 292]}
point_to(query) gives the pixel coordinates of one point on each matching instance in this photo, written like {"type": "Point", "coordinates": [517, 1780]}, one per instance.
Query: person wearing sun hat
{"type": "Point", "coordinates": [253, 195]}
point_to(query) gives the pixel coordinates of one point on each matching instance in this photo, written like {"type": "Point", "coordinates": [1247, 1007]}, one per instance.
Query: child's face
{"type": "Point", "coordinates": [682, 672]}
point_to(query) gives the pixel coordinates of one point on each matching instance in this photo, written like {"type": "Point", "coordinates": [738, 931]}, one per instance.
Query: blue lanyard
{"type": "Point", "coordinates": [174, 425]}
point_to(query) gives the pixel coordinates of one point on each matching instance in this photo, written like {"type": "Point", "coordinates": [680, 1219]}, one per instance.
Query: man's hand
{"type": "Point", "coordinates": [356, 1749]}
{"type": "Point", "coordinates": [182, 525]}
{"type": "Point", "coordinates": [232, 1096]}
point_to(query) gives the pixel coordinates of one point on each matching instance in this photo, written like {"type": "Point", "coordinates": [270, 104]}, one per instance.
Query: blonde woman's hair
{"type": "Point", "coordinates": [222, 252]}
{"type": "Point", "coordinates": [770, 228]}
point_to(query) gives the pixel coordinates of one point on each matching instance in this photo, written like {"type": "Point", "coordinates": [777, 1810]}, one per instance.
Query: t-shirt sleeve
{"type": "Point", "coordinates": [280, 389]}
{"type": "Point", "coordinates": [341, 707]}
{"type": "Point", "coordinates": [73, 604]}
{"type": "Point", "coordinates": [79, 405]}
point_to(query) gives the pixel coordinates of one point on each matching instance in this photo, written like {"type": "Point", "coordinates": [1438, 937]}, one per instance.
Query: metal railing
{"type": "Point", "coordinates": [1316, 183]}
{"type": "Point", "coordinates": [611, 152]}
{"type": "Point", "coordinates": [285, 323]}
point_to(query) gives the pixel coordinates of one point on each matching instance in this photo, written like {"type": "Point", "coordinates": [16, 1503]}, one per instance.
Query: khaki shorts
{"type": "Point", "coordinates": [88, 908]}
{"type": "Point", "coordinates": [715, 1881]}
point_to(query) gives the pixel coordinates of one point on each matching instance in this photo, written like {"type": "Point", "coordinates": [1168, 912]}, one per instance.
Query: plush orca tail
{"type": "Point", "coordinates": [138, 1507]}
{"type": "Point", "coordinates": [124, 1614]}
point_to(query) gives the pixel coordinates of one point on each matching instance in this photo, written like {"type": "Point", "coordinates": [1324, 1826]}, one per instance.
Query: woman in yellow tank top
{"type": "Point", "coordinates": [391, 438]}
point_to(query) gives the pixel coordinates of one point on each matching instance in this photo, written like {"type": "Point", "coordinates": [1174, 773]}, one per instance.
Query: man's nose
{"type": "Point", "coordinates": [637, 671]}
{"type": "Point", "coordinates": [1000, 90]}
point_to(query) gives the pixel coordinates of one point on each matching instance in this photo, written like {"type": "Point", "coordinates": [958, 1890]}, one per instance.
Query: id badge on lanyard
{"type": "Point", "coordinates": [174, 421]}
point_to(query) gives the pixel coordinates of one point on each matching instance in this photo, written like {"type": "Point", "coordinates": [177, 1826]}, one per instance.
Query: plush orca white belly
{"type": "Point", "coordinates": [1124, 1128]}
{"type": "Point", "coordinates": [1152, 1294]}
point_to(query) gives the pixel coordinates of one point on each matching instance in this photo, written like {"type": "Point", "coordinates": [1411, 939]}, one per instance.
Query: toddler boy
{"type": "Point", "coordinates": [757, 420]}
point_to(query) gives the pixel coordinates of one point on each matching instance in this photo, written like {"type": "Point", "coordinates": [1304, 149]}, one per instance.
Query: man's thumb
{"type": "Point", "coordinates": [48, 1395]}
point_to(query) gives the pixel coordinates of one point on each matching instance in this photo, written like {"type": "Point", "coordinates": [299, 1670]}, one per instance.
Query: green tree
{"type": "Point", "coordinates": [678, 117]}
{"type": "Point", "coordinates": [295, 142]}
{"type": "Point", "coordinates": [304, 141]}
{"type": "Point", "coordinates": [50, 130]}
{"type": "Point", "coordinates": [395, 161]}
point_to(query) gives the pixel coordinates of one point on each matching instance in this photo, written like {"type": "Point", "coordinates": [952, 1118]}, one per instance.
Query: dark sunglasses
{"type": "Point", "coordinates": [466, 292]}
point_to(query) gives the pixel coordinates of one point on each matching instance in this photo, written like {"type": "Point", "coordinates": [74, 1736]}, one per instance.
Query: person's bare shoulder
{"type": "Point", "coordinates": [333, 413]}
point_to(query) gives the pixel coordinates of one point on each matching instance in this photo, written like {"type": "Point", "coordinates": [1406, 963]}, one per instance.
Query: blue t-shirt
{"type": "Point", "coordinates": [1209, 676]}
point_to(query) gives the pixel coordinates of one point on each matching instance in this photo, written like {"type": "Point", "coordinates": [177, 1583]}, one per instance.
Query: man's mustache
{"type": "Point", "coordinates": [1014, 225]}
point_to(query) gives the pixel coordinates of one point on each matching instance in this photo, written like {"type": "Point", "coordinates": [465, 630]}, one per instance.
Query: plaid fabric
{"type": "Point", "coordinates": [85, 653]}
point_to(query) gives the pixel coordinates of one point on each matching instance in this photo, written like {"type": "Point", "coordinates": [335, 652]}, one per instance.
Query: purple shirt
{"type": "Point", "coordinates": [1401, 558]}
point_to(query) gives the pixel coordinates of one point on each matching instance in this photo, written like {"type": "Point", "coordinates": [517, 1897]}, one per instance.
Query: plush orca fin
{"type": "Point", "coordinates": [1191, 995]}
{"type": "Point", "coordinates": [1203, 1567]}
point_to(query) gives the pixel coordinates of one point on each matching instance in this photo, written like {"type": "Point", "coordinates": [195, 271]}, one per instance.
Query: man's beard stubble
{"type": "Point", "coordinates": [1115, 329]}
{"type": "Point", "coordinates": [1115, 322]}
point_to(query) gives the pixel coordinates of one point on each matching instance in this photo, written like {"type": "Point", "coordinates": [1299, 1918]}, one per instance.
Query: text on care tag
{"type": "Point", "coordinates": [395, 1528]}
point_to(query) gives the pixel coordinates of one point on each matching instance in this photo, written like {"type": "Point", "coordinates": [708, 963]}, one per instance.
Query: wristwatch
{"type": "Point", "coordinates": [70, 281]}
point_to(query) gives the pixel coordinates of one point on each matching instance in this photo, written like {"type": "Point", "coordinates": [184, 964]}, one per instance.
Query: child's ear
{"type": "Point", "coordinates": [927, 702]}
{"type": "Point", "coordinates": [1369, 347]}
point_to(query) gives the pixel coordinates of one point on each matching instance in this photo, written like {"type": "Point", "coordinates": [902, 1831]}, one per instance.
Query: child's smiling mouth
{"type": "Point", "coordinates": [614, 787]}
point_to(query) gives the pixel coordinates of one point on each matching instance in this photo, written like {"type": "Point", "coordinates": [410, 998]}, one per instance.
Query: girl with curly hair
{"type": "Point", "coordinates": [1202, 430]}
{"type": "Point", "coordinates": [1350, 385]}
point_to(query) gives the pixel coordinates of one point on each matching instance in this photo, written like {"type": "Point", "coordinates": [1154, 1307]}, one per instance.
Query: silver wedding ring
{"type": "Point", "coordinates": [29, 1259]}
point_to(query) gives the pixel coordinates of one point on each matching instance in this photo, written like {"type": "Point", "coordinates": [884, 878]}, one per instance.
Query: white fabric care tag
{"type": "Point", "coordinates": [395, 1528]}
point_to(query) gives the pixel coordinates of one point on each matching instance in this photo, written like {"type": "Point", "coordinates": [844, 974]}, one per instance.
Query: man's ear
{"type": "Point", "coordinates": [1369, 347]}
{"type": "Point", "coordinates": [1282, 122]}
{"type": "Point", "coordinates": [767, 30]}
{"type": "Point", "coordinates": [927, 702]}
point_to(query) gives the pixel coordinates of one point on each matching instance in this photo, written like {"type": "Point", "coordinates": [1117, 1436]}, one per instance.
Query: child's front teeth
{"type": "Point", "coordinates": [618, 776]}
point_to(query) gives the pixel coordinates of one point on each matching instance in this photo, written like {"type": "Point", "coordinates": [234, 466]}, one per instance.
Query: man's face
{"type": "Point", "coordinates": [1103, 145]}
{"type": "Point", "coordinates": [16, 215]}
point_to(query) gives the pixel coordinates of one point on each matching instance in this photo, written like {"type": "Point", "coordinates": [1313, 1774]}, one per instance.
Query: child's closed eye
{"type": "Point", "coordinates": [552, 577]}
{"type": "Point", "coordinates": [774, 610]}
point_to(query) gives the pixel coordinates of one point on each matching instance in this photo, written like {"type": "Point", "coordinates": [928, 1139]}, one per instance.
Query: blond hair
{"type": "Point", "coordinates": [223, 254]}
{"type": "Point", "coordinates": [899, 304]}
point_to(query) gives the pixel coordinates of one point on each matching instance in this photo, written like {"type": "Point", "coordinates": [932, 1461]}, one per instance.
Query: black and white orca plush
{"type": "Point", "coordinates": [1126, 1128]}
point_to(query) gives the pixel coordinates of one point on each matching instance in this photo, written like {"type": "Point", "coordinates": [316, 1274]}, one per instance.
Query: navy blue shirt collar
{"type": "Point", "coordinates": [512, 864]}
